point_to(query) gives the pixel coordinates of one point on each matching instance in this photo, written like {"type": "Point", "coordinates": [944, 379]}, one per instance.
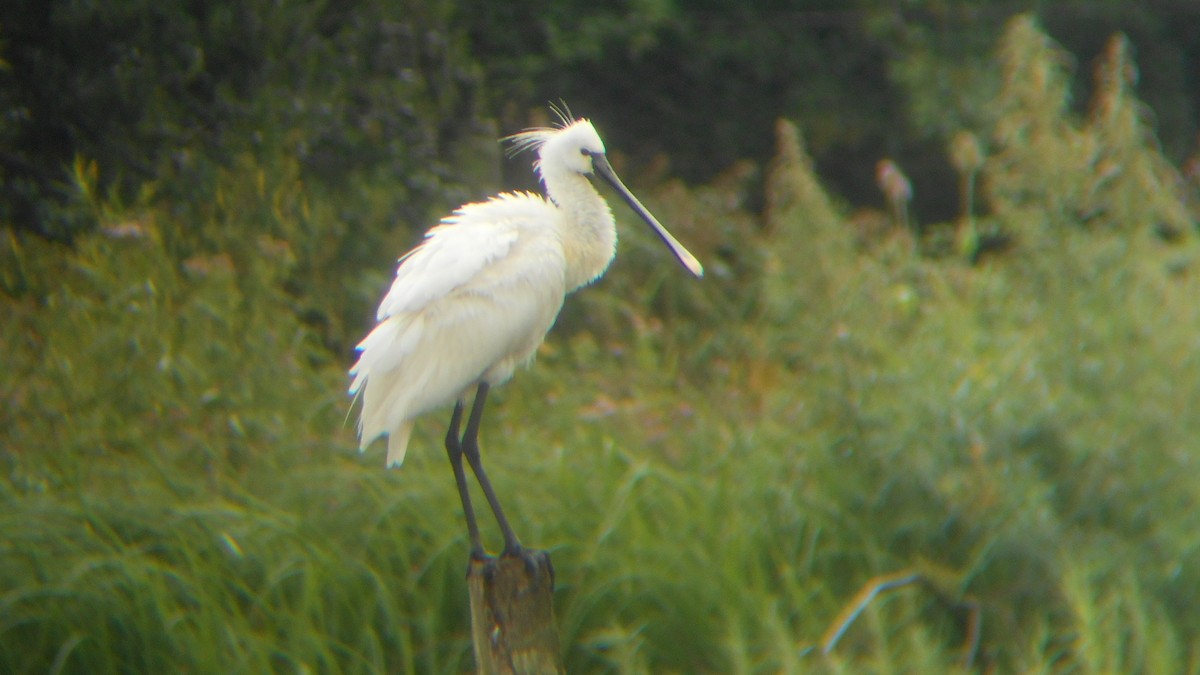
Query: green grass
{"type": "Point", "coordinates": [717, 466]}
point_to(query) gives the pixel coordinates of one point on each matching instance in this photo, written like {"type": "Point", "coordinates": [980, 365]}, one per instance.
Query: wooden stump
{"type": "Point", "coordinates": [512, 615]}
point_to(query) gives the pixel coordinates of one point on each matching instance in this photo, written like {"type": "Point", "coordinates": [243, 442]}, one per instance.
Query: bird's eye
{"type": "Point", "coordinates": [584, 152]}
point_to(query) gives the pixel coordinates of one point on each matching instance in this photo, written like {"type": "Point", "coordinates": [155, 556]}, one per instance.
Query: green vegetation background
{"type": "Point", "coordinates": [195, 232]}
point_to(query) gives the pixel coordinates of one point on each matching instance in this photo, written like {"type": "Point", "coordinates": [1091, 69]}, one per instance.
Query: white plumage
{"type": "Point", "coordinates": [476, 298]}
{"type": "Point", "coordinates": [468, 305]}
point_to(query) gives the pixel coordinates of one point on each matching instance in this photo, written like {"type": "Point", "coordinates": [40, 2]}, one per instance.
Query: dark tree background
{"type": "Point", "coordinates": [151, 90]}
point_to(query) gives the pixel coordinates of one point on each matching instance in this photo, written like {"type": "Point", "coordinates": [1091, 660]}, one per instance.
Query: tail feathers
{"type": "Point", "coordinates": [398, 444]}
{"type": "Point", "coordinates": [382, 413]}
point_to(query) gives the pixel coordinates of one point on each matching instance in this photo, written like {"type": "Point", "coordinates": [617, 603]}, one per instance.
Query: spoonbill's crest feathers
{"type": "Point", "coordinates": [563, 112]}
{"type": "Point", "coordinates": [534, 137]}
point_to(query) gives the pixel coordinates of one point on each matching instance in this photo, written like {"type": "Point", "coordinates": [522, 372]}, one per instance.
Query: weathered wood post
{"type": "Point", "coordinates": [512, 615]}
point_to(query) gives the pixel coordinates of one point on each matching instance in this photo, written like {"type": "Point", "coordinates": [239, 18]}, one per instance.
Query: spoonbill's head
{"type": "Point", "coordinates": [570, 147]}
{"type": "Point", "coordinates": [576, 148]}
{"type": "Point", "coordinates": [573, 147]}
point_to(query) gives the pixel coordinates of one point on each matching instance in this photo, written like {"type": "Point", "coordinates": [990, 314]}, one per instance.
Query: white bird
{"type": "Point", "coordinates": [476, 298]}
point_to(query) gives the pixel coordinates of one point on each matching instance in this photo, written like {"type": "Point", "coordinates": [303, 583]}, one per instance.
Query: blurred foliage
{"type": "Point", "coordinates": [718, 466]}
{"type": "Point", "coordinates": [369, 88]}
{"type": "Point", "coordinates": [170, 94]}
{"type": "Point", "coordinates": [357, 108]}
{"type": "Point", "coordinates": [866, 79]}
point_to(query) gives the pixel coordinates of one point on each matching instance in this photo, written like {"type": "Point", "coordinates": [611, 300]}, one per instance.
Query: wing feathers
{"type": "Point", "coordinates": [472, 301]}
{"type": "Point", "coordinates": [464, 244]}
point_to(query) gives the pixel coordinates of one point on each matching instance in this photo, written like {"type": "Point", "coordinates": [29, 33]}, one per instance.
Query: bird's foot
{"type": "Point", "coordinates": [478, 554]}
{"type": "Point", "coordinates": [537, 562]}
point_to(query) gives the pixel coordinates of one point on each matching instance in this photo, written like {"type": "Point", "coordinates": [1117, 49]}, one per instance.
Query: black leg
{"type": "Point", "coordinates": [470, 448]}
{"type": "Point", "coordinates": [454, 450]}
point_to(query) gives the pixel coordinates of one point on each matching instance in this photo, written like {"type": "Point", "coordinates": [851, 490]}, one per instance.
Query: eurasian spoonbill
{"type": "Point", "coordinates": [476, 298]}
